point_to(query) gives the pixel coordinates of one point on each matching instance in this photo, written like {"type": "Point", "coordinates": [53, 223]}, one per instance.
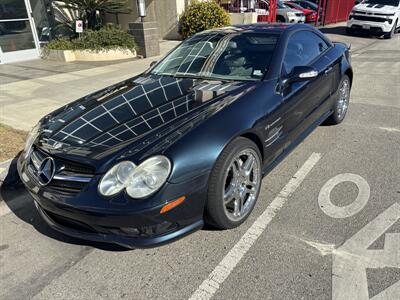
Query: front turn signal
{"type": "Point", "coordinates": [172, 204]}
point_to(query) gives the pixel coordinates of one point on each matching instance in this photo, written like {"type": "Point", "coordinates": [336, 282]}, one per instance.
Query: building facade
{"type": "Point", "coordinates": [25, 25]}
{"type": "Point", "coordinates": [165, 12]}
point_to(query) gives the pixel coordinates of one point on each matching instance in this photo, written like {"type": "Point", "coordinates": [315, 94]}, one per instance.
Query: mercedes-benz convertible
{"type": "Point", "coordinates": [155, 157]}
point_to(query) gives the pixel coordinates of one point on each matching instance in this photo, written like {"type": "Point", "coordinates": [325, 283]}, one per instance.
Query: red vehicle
{"type": "Point", "coordinates": [311, 15]}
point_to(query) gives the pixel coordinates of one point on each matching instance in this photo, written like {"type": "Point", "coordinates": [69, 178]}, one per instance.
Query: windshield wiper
{"type": "Point", "coordinates": [189, 76]}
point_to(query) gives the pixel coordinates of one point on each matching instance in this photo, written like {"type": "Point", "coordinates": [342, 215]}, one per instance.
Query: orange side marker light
{"type": "Point", "coordinates": [172, 204]}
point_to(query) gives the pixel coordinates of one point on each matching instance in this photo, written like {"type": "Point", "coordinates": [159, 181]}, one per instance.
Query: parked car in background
{"type": "Point", "coordinates": [380, 17]}
{"type": "Point", "coordinates": [285, 14]}
{"type": "Point", "coordinates": [306, 4]}
{"type": "Point", "coordinates": [311, 15]}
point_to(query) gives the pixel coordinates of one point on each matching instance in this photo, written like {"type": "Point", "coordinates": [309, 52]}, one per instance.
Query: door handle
{"type": "Point", "coordinates": [327, 71]}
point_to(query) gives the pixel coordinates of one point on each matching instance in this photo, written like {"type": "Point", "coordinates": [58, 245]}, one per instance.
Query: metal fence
{"type": "Point", "coordinates": [266, 9]}
{"type": "Point", "coordinates": [332, 11]}
{"type": "Point", "coordinates": [335, 11]}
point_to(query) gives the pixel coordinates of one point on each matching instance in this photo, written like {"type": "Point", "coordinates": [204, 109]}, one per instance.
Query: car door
{"type": "Point", "coordinates": [302, 100]}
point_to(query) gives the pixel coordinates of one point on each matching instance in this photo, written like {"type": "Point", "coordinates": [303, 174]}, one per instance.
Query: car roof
{"type": "Point", "coordinates": [272, 28]}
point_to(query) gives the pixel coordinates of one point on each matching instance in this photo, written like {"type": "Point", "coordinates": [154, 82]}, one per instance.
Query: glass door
{"type": "Point", "coordinates": [17, 39]}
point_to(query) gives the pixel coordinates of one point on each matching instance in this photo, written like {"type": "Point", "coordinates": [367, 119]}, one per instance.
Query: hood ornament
{"type": "Point", "coordinates": [46, 171]}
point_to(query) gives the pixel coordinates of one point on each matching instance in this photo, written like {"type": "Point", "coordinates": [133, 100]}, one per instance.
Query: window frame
{"type": "Point", "coordinates": [328, 43]}
{"type": "Point", "coordinates": [216, 32]}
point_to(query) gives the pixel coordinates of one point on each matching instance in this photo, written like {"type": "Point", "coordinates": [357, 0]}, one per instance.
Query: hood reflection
{"type": "Point", "coordinates": [127, 111]}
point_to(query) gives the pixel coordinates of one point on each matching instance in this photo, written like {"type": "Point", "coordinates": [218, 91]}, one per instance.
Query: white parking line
{"type": "Point", "coordinates": [210, 286]}
{"type": "Point", "coordinates": [390, 129]}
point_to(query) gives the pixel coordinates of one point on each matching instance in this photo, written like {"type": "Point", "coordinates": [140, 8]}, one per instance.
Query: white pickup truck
{"type": "Point", "coordinates": [381, 17]}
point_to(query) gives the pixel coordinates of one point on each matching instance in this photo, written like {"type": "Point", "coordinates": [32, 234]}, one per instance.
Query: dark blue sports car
{"type": "Point", "coordinates": [150, 159]}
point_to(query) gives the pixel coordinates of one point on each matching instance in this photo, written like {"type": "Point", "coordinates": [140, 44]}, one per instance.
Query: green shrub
{"type": "Point", "coordinates": [109, 37]}
{"type": "Point", "coordinates": [200, 16]}
{"type": "Point", "coordinates": [93, 11]}
{"type": "Point", "coordinates": [106, 38]}
{"type": "Point", "coordinates": [60, 44]}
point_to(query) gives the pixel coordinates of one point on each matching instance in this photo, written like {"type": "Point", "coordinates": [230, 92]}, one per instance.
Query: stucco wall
{"type": "Point", "coordinates": [164, 12]}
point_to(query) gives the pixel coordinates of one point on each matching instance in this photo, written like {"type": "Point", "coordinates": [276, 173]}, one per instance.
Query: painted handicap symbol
{"type": "Point", "coordinates": [350, 261]}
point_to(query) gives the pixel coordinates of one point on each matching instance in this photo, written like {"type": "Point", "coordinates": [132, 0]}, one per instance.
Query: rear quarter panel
{"type": "Point", "coordinates": [337, 55]}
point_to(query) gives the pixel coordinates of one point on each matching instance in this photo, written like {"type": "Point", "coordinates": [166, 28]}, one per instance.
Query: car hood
{"type": "Point", "coordinates": [286, 10]}
{"type": "Point", "coordinates": [375, 8]}
{"type": "Point", "coordinates": [128, 116]}
{"type": "Point", "coordinates": [308, 11]}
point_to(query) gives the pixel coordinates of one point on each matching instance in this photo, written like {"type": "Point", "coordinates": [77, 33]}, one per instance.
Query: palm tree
{"type": "Point", "coordinates": [92, 10]}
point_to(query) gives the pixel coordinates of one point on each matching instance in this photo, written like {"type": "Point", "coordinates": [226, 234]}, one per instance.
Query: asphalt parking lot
{"type": "Point", "coordinates": [326, 225]}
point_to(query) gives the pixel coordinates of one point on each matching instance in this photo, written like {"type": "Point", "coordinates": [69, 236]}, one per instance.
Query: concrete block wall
{"type": "Point", "coordinates": [165, 12]}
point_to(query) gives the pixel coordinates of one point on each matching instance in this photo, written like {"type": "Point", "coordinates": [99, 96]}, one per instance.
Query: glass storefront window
{"type": "Point", "coordinates": [12, 9]}
{"type": "Point", "coordinates": [15, 36]}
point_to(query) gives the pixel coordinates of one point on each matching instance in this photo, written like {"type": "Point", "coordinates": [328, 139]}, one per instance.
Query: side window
{"type": "Point", "coordinates": [303, 47]}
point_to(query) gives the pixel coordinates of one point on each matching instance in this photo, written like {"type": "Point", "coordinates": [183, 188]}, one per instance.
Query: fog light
{"type": "Point", "coordinates": [148, 231]}
{"type": "Point", "coordinates": [130, 231]}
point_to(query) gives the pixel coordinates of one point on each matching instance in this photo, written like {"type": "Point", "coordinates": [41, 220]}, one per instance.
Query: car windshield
{"type": "Point", "coordinates": [282, 5]}
{"type": "Point", "coordinates": [220, 56]}
{"type": "Point", "coordinates": [383, 2]}
{"type": "Point", "coordinates": [308, 5]}
{"type": "Point", "coordinates": [295, 6]}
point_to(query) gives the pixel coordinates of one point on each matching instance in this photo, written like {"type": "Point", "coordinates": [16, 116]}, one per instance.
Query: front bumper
{"type": "Point", "coordinates": [311, 18]}
{"type": "Point", "coordinates": [125, 223]}
{"type": "Point", "coordinates": [374, 27]}
{"type": "Point", "coordinates": [120, 239]}
{"type": "Point", "coordinates": [297, 19]}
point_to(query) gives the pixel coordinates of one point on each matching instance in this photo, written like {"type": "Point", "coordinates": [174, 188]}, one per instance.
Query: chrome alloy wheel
{"type": "Point", "coordinates": [344, 98]}
{"type": "Point", "coordinates": [242, 182]}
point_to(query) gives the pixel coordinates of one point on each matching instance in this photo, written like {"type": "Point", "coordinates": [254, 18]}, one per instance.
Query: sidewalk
{"type": "Point", "coordinates": [4, 170]}
{"type": "Point", "coordinates": [24, 102]}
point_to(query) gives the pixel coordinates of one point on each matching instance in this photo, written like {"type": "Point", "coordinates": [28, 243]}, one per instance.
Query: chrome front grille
{"type": "Point", "coordinates": [69, 177]}
{"type": "Point", "coordinates": [370, 18]}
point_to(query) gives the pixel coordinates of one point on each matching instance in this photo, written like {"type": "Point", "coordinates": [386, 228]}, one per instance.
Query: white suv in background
{"type": "Point", "coordinates": [380, 17]}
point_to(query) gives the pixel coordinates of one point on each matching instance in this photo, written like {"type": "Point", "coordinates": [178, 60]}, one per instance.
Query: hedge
{"type": "Point", "coordinates": [201, 16]}
{"type": "Point", "coordinates": [109, 37]}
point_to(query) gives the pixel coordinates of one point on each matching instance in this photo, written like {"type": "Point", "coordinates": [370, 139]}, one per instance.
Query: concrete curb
{"type": "Point", "coordinates": [4, 166]}
{"type": "Point", "coordinates": [8, 172]}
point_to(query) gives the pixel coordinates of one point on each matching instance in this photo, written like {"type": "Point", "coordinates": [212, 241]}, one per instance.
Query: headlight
{"type": "Point", "coordinates": [116, 179]}
{"type": "Point", "coordinates": [33, 134]}
{"type": "Point", "coordinates": [138, 181]}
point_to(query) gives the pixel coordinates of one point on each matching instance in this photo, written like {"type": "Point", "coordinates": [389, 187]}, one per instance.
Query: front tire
{"type": "Point", "coordinates": [391, 33]}
{"type": "Point", "coordinates": [280, 19]}
{"type": "Point", "coordinates": [234, 184]}
{"type": "Point", "coordinates": [342, 102]}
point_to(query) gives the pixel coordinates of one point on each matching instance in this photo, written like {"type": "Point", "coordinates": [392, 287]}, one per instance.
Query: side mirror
{"type": "Point", "coordinates": [301, 73]}
{"type": "Point", "coordinates": [153, 63]}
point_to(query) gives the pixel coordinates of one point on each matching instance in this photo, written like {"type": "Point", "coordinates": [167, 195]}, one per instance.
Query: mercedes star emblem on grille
{"type": "Point", "coordinates": [46, 171]}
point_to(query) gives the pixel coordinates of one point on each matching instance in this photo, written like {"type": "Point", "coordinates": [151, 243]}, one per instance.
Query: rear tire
{"type": "Point", "coordinates": [234, 184]}
{"type": "Point", "coordinates": [342, 102]}
{"type": "Point", "coordinates": [280, 19]}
